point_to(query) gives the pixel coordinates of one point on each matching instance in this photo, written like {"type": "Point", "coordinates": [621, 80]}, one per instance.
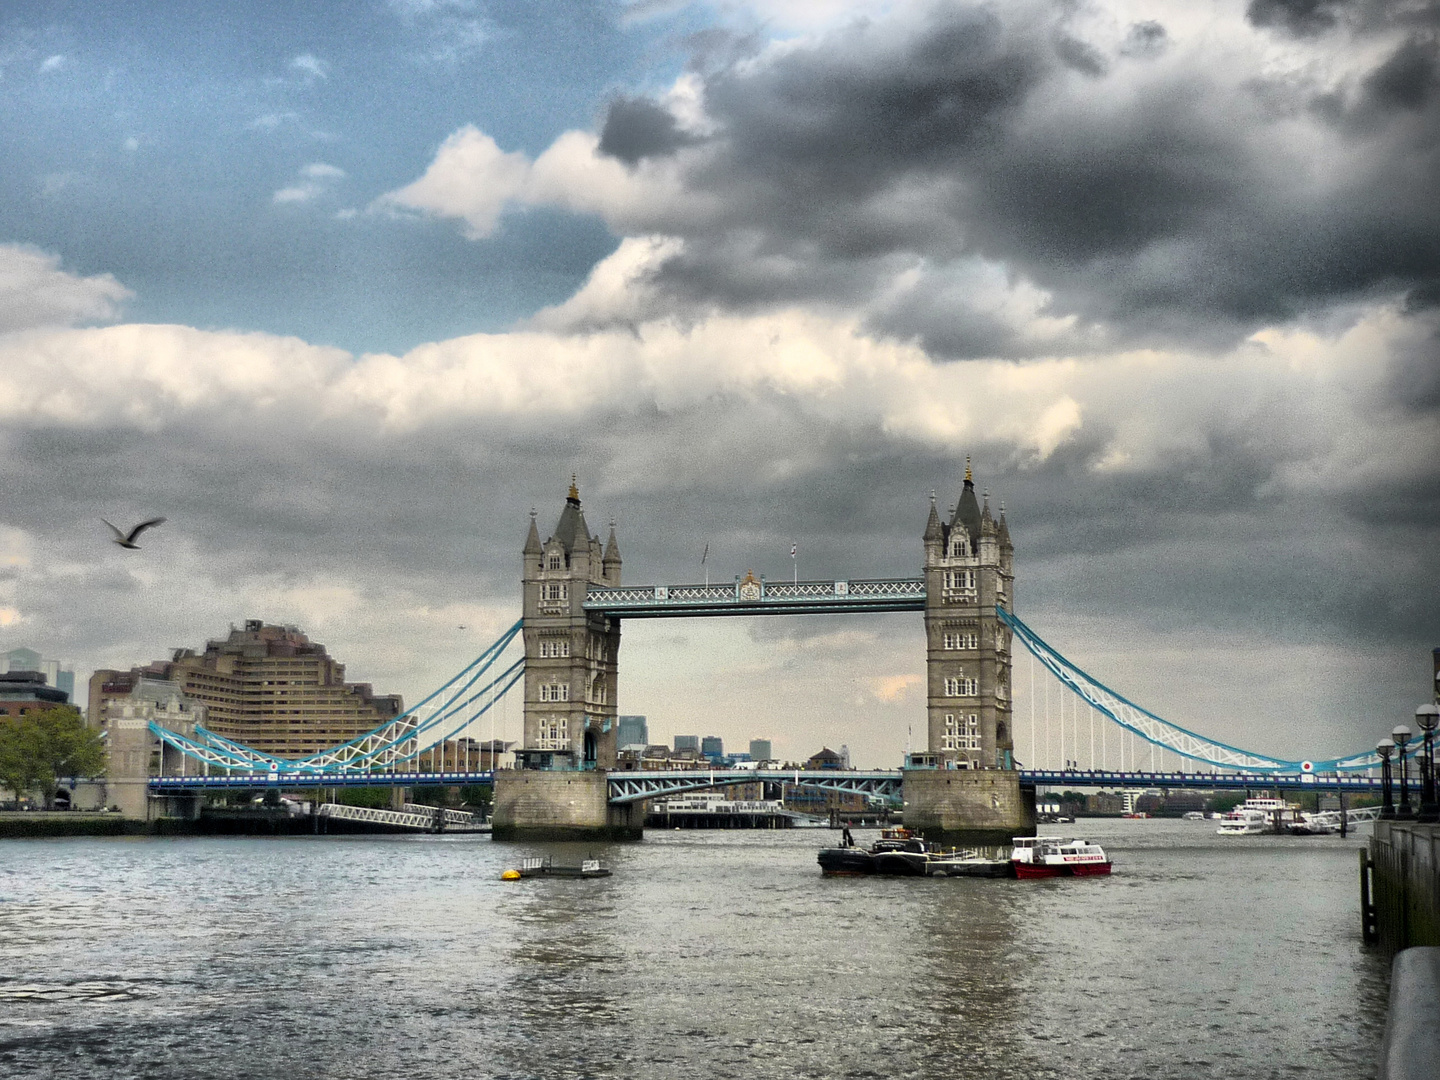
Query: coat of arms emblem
{"type": "Point", "coordinates": [749, 587]}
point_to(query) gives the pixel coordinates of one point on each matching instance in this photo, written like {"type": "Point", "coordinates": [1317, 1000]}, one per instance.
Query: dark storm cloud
{"type": "Point", "coordinates": [1169, 202]}
{"type": "Point", "coordinates": [637, 128]}
{"type": "Point", "coordinates": [1303, 18]}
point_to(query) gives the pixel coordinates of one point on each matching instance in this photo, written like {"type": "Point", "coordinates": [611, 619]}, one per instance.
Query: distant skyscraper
{"type": "Point", "coordinates": [712, 746]}
{"type": "Point", "coordinates": [30, 660]}
{"type": "Point", "coordinates": [687, 742]}
{"type": "Point", "coordinates": [760, 750]}
{"type": "Point", "coordinates": [633, 731]}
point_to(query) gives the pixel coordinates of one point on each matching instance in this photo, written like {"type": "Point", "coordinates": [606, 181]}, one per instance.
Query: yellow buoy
{"type": "Point", "coordinates": [510, 875]}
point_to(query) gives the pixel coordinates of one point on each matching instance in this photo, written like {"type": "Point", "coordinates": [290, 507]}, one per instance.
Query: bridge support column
{"type": "Point", "coordinates": [540, 804]}
{"type": "Point", "coordinates": [968, 807]}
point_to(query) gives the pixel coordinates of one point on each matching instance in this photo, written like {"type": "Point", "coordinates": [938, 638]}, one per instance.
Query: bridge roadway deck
{"type": "Point", "coordinates": [632, 786]}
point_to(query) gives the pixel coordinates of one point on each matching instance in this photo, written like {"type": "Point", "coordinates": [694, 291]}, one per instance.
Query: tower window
{"type": "Point", "coordinates": [556, 647]}
{"type": "Point", "coordinates": [554, 562]}
{"type": "Point", "coordinates": [960, 686]}
{"type": "Point", "coordinates": [960, 579]}
{"type": "Point", "coordinates": [554, 692]}
{"type": "Point", "coordinates": [554, 590]}
{"type": "Point", "coordinates": [964, 639]}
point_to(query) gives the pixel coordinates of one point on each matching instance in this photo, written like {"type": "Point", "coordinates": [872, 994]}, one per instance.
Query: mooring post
{"type": "Point", "coordinates": [1344, 819]}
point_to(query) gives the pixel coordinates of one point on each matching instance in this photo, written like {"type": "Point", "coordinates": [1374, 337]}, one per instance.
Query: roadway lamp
{"type": "Point", "coordinates": [1385, 748]}
{"type": "Point", "coordinates": [1427, 716]}
{"type": "Point", "coordinates": [1401, 735]}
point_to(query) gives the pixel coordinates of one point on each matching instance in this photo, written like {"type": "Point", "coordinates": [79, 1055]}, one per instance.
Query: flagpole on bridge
{"type": "Point", "coordinates": [794, 566]}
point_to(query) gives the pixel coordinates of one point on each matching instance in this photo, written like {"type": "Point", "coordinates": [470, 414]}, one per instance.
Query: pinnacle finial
{"type": "Point", "coordinates": [574, 486]}
{"type": "Point", "coordinates": [969, 479]}
{"type": "Point", "coordinates": [532, 511]}
{"type": "Point", "coordinates": [932, 495]}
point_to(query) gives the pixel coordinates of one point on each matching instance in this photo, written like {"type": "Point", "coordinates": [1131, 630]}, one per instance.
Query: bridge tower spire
{"type": "Point", "coordinates": [570, 654]}
{"type": "Point", "coordinates": [969, 572]}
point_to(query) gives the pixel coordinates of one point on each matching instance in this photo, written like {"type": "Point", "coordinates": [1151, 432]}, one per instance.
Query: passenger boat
{"type": "Point", "coordinates": [1242, 823]}
{"type": "Point", "coordinates": [1055, 856]}
{"type": "Point", "coordinates": [1252, 816]}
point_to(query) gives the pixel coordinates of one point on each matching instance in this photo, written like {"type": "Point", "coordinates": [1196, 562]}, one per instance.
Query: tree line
{"type": "Point", "coordinates": [43, 747]}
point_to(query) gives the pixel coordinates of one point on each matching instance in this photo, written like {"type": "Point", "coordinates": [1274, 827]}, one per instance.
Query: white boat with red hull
{"type": "Point", "coordinates": [1056, 856]}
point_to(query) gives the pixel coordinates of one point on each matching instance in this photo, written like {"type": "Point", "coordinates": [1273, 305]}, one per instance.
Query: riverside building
{"type": "Point", "coordinates": [269, 687]}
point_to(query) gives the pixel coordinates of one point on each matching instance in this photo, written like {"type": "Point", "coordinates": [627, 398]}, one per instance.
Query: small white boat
{"type": "Point", "coordinates": [1242, 823]}
{"type": "Point", "coordinates": [1055, 856]}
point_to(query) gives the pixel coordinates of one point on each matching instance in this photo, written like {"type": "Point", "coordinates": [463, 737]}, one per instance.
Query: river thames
{"type": "Point", "coordinates": [707, 954]}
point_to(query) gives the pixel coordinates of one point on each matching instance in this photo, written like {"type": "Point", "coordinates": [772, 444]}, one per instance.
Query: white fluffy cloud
{"type": "Point", "coordinates": [35, 292]}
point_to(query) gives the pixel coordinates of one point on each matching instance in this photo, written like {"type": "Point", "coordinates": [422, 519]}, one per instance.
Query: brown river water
{"type": "Point", "coordinates": [705, 954]}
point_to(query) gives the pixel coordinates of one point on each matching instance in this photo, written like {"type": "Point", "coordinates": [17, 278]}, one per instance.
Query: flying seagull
{"type": "Point", "coordinates": [129, 541]}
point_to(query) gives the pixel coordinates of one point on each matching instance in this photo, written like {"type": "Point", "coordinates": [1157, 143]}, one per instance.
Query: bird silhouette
{"type": "Point", "coordinates": [128, 540]}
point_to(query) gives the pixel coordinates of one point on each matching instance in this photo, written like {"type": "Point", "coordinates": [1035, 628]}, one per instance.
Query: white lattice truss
{"type": "Point", "coordinates": [791, 595]}
{"type": "Point", "coordinates": [633, 787]}
{"type": "Point", "coordinates": [1161, 732]}
{"type": "Point", "coordinates": [439, 717]}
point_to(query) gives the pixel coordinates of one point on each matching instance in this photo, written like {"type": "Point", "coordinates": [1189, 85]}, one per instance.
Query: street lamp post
{"type": "Point", "coordinates": [1385, 747]}
{"type": "Point", "coordinates": [1426, 718]}
{"type": "Point", "coordinates": [1401, 735]}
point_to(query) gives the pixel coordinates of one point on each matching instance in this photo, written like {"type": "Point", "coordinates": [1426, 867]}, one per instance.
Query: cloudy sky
{"type": "Point", "coordinates": [345, 290]}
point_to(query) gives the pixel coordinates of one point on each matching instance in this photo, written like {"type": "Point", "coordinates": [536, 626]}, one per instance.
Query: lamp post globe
{"type": "Point", "coordinates": [1385, 748]}
{"type": "Point", "coordinates": [1401, 734]}
{"type": "Point", "coordinates": [1427, 716]}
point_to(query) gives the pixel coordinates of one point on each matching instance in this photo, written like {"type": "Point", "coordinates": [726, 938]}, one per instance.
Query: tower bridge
{"type": "Point", "coordinates": [966, 785]}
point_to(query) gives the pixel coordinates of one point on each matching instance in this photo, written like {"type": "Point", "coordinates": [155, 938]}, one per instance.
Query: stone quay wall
{"type": "Point", "coordinates": [1405, 884]}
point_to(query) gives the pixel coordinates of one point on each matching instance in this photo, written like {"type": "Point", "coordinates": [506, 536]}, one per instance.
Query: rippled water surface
{"type": "Point", "coordinates": [711, 954]}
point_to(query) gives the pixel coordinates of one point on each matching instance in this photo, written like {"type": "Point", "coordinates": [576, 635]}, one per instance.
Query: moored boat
{"type": "Point", "coordinates": [1054, 856]}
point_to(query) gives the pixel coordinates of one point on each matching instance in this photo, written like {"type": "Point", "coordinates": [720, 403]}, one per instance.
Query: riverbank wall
{"type": "Point", "coordinates": [212, 821]}
{"type": "Point", "coordinates": [1404, 869]}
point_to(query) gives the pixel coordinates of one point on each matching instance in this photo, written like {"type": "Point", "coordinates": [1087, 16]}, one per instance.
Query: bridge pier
{"type": "Point", "coordinates": [968, 807]}
{"type": "Point", "coordinates": [542, 804]}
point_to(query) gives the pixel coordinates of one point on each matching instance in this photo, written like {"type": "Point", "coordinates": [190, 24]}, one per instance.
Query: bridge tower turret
{"type": "Point", "coordinates": [969, 571]}
{"type": "Point", "coordinates": [570, 654]}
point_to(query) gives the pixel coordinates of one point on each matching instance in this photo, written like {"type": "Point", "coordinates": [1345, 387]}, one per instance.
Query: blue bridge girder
{"type": "Point", "coordinates": [1285, 781]}
{"type": "Point", "coordinates": [626, 787]}
{"type": "Point", "coordinates": [289, 781]}
{"type": "Point", "coordinates": [750, 597]}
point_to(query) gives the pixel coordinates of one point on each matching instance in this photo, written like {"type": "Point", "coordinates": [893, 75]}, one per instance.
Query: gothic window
{"type": "Point", "coordinates": [557, 647]}
{"type": "Point", "coordinates": [960, 579]}
{"type": "Point", "coordinates": [960, 687]}
{"type": "Point", "coordinates": [554, 562]}
{"type": "Point", "coordinates": [957, 546]}
{"type": "Point", "coordinates": [555, 590]}
{"type": "Point", "coordinates": [554, 692]}
{"type": "Point", "coordinates": [964, 639]}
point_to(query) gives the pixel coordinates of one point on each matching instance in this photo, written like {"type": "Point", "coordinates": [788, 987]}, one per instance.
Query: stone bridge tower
{"type": "Point", "coordinates": [966, 790]}
{"type": "Point", "coordinates": [570, 654]}
{"type": "Point", "coordinates": [969, 571]}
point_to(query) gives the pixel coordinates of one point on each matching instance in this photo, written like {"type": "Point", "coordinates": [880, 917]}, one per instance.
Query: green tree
{"type": "Point", "coordinates": [37, 751]}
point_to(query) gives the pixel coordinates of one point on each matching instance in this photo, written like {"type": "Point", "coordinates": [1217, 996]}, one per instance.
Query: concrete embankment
{"type": "Point", "coordinates": [1405, 884]}
{"type": "Point", "coordinates": [1411, 1050]}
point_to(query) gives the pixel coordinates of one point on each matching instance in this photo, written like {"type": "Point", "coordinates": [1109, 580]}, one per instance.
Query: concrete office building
{"type": "Point", "coordinates": [269, 687]}
{"type": "Point", "coordinates": [760, 750]}
{"type": "Point", "coordinates": [689, 743]}
{"type": "Point", "coordinates": [26, 692]}
{"type": "Point", "coordinates": [712, 747]}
